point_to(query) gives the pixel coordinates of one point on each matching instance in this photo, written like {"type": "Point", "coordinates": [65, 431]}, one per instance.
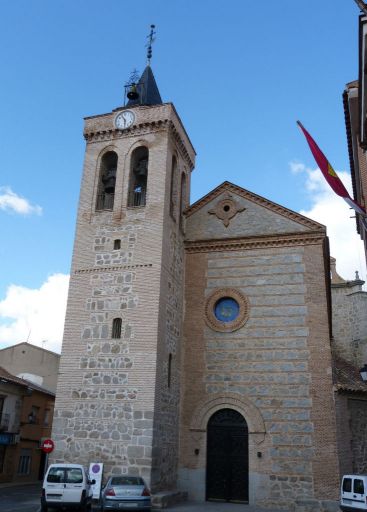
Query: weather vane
{"type": "Point", "coordinates": [151, 40]}
{"type": "Point", "coordinates": [134, 77]}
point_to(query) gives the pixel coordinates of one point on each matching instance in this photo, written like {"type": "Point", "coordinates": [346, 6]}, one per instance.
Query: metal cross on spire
{"type": "Point", "coordinates": [151, 40]}
{"type": "Point", "coordinates": [362, 6]}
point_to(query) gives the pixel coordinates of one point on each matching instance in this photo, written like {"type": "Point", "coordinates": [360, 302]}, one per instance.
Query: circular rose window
{"type": "Point", "coordinates": [226, 310]}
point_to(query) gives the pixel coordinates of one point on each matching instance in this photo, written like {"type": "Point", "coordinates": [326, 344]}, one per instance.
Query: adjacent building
{"type": "Point", "coordinates": [355, 110]}
{"type": "Point", "coordinates": [349, 344]}
{"type": "Point", "coordinates": [349, 300]}
{"type": "Point", "coordinates": [32, 363]}
{"type": "Point", "coordinates": [26, 412]}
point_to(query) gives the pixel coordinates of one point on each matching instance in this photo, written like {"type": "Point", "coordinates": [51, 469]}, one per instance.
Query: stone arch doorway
{"type": "Point", "coordinates": [227, 457]}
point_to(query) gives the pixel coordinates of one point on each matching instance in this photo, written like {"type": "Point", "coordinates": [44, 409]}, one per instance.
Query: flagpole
{"type": "Point", "coordinates": [332, 178]}
{"type": "Point", "coordinates": [362, 6]}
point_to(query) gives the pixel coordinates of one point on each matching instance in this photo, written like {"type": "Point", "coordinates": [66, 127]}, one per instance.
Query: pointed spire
{"type": "Point", "coordinates": [146, 87]}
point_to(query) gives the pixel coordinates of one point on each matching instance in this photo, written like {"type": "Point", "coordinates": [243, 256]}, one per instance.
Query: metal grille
{"type": "Point", "coordinates": [105, 201]}
{"type": "Point", "coordinates": [137, 197]}
{"type": "Point", "coordinates": [116, 328]}
{"type": "Point", "coordinates": [4, 421]}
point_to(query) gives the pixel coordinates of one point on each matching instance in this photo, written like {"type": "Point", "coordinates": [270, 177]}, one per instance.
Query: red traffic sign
{"type": "Point", "coordinates": [47, 445]}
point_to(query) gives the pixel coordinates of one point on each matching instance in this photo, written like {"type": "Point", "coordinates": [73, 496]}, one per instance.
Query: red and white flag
{"type": "Point", "coordinates": [331, 177]}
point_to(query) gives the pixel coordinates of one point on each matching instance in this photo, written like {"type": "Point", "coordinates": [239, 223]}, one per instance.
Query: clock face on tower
{"type": "Point", "coordinates": [124, 119]}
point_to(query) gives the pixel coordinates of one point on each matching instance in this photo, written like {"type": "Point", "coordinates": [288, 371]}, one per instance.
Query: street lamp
{"type": "Point", "coordinates": [363, 373]}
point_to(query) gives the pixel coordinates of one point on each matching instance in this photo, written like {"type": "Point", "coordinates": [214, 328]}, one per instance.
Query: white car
{"type": "Point", "coordinates": [66, 486]}
{"type": "Point", "coordinates": [353, 493]}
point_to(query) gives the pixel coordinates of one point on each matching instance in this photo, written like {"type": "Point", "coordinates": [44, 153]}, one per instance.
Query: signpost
{"type": "Point", "coordinates": [95, 473]}
{"type": "Point", "coordinates": [47, 445]}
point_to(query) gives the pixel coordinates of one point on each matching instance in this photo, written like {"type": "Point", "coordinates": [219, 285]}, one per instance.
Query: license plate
{"type": "Point", "coordinates": [122, 505]}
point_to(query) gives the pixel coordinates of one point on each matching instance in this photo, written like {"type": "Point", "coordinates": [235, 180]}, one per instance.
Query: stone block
{"type": "Point", "coordinates": [308, 506]}
{"type": "Point", "coordinates": [330, 506]}
{"type": "Point", "coordinates": [166, 499]}
{"type": "Point", "coordinates": [135, 451]}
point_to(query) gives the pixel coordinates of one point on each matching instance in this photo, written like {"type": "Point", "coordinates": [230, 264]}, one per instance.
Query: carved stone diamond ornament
{"type": "Point", "coordinates": [226, 209]}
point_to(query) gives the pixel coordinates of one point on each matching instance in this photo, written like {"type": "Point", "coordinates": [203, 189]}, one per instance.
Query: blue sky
{"type": "Point", "coordinates": [240, 74]}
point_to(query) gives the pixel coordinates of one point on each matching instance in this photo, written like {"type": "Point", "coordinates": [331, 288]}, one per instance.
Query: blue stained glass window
{"type": "Point", "coordinates": [226, 309]}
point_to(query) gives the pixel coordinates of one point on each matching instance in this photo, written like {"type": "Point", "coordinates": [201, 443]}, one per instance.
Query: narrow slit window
{"type": "Point", "coordinates": [116, 328]}
{"type": "Point", "coordinates": [117, 245]}
{"type": "Point", "coordinates": [169, 372]}
{"type": "Point", "coordinates": [182, 200]}
{"type": "Point", "coordinates": [173, 188]}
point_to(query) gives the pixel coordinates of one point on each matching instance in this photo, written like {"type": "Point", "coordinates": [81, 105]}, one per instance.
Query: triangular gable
{"type": "Point", "coordinates": [231, 212]}
{"type": "Point", "coordinates": [230, 188]}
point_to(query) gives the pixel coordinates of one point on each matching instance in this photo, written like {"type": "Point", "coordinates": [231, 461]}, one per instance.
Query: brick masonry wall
{"type": "Point", "coordinates": [344, 434]}
{"type": "Point", "coordinates": [277, 367]}
{"type": "Point", "coordinates": [168, 383]}
{"type": "Point", "coordinates": [111, 401]}
{"type": "Point", "coordinates": [358, 425]}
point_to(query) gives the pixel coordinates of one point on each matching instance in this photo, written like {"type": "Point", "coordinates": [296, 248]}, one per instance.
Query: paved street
{"type": "Point", "coordinates": [26, 498]}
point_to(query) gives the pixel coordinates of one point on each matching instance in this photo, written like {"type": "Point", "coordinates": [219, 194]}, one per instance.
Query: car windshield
{"type": "Point", "coordinates": [55, 475]}
{"type": "Point", "coordinates": [65, 475]}
{"type": "Point", "coordinates": [74, 476]}
{"type": "Point", "coordinates": [126, 480]}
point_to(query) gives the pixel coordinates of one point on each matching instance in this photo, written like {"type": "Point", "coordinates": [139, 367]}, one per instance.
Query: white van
{"type": "Point", "coordinates": [66, 486]}
{"type": "Point", "coordinates": [353, 493]}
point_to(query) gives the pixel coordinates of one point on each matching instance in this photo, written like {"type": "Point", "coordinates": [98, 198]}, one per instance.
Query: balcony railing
{"type": "Point", "coordinates": [137, 197]}
{"type": "Point", "coordinates": [105, 201]}
{"type": "Point", "coordinates": [4, 422]}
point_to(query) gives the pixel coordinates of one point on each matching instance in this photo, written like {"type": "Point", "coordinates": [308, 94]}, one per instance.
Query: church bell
{"type": "Point", "coordinates": [109, 181]}
{"type": "Point", "coordinates": [133, 92]}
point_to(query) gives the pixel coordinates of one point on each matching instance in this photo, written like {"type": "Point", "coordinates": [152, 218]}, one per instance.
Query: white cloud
{"type": "Point", "coordinates": [332, 211]}
{"type": "Point", "coordinates": [10, 201]}
{"type": "Point", "coordinates": [37, 313]}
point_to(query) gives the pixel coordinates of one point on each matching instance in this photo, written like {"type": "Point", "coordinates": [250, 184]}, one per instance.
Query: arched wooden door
{"type": "Point", "coordinates": [227, 457]}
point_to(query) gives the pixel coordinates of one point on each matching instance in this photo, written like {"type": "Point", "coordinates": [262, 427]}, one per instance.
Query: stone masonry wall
{"type": "Point", "coordinates": [270, 364]}
{"type": "Point", "coordinates": [103, 412]}
{"type": "Point", "coordinates": [113, 404]}
{"type": "Point", "coordinates": [350, 322]}
{"type": "Point", "coordinates": [108, 388]}
{"type": "Point", "coordinates": [168, 384]}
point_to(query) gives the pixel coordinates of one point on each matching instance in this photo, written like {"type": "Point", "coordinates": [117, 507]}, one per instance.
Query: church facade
{"type": "Point", "coordinates": [196, 350]}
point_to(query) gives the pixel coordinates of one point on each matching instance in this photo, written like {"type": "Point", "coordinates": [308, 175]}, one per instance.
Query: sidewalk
{"type": "Point", "coordinates": [19, 484]}
{"type": "Point", "coordinates": [210, 506]}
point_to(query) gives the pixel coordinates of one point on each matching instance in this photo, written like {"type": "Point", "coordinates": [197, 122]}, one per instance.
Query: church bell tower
{"type": "Point", "coordinates": [118, 393]}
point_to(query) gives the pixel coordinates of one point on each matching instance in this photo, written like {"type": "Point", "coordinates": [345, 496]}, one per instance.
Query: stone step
{"type": "Point", "coordinates": [166, 499]}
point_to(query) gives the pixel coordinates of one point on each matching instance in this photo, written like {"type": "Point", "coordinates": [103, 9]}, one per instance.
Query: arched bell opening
{"type": "Point", "coordinates": [227, 457]}
{"type": "Point", "coordinates": [107, 181]}
{"type": "Point", "coordinates": [138, 177]}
